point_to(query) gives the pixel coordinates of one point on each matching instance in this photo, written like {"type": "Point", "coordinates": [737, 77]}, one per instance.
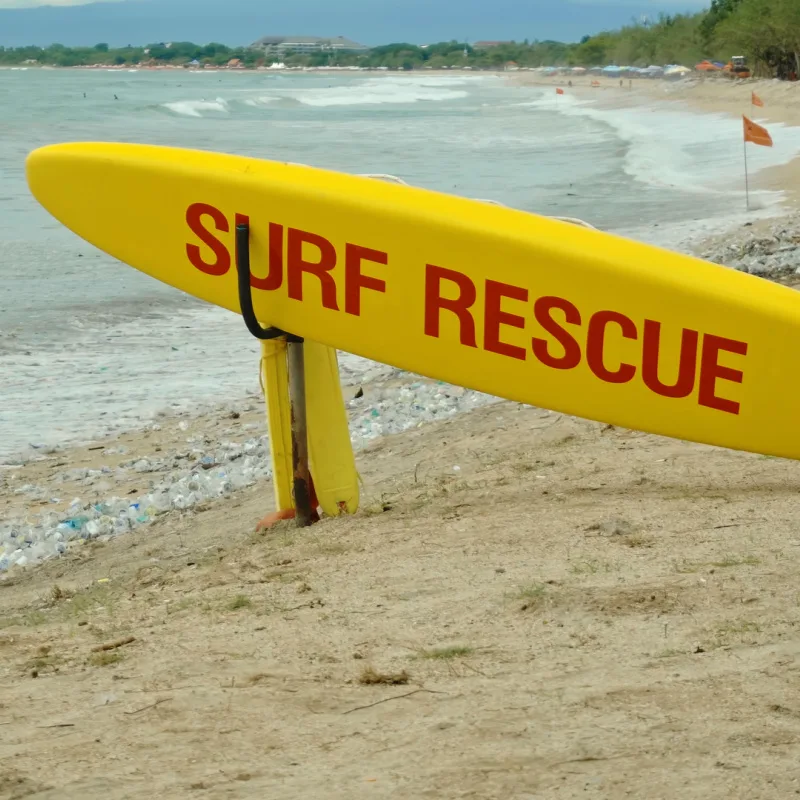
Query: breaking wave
{"type": "Point", "coordinates": [195, 108]}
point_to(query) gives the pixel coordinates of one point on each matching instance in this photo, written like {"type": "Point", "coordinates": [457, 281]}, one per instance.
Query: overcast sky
{"type": "Point", "coordinates": [371, 22]}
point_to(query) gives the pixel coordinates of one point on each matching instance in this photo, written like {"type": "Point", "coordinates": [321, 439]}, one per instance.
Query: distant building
{"type": "Point", "coordinates": [487, 45]}
{"type": "Point", "coordinates": [280, 45]}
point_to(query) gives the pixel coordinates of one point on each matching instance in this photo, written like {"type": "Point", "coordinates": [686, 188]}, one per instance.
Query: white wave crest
{"type": "Point", "coordinates": [259, 102]}
{"type": "Point", "coordinates": [385, 91]}
{"type": "Point", "coordinates": [699, 153]}
{"type": "Point", "coordinates": [195, 108]}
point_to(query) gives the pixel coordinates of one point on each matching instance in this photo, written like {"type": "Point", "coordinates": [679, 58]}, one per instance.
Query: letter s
{"type": "Point", "coordinates": [194, 219]}
{"type": "Point", "coordinates": [542, 310]}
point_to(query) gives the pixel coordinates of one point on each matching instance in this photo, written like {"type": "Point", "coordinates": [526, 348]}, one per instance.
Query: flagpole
{"type": "Point", "coordinates": [746, 179]}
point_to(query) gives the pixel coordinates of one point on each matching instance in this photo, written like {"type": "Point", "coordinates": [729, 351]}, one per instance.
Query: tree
{"type": "Point", "coordinates": [768, 31]}
{"type": "Point", "coordinates": [719, 11]}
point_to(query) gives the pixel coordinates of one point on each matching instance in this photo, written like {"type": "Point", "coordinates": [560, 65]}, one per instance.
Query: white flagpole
{"type": "Point", "coordinates": [746, 179]}
{"type": "Point", "coordinates": [746, 187]}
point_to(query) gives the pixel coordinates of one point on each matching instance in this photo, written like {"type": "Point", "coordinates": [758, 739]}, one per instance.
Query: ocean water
{"type": "Point", "coordinates": [89, 346]}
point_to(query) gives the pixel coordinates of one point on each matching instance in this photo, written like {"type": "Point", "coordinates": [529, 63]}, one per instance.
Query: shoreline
{"type": "Point", "coordinates": [181, 463]}
{"type": "Point", "coordinates": [705, 95]}
{"type": "Point", "coordinates": [257, 70]}
{"type": "Point", "coordinates": [139, 461]}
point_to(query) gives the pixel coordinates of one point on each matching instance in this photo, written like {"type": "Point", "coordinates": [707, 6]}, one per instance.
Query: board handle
{"type": "Point", "coordinates": [245, 290]}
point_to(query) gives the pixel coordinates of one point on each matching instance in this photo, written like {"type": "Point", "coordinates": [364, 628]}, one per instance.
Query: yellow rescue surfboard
{"type": "Point", "coordinates": [487, 297]}
{"type": "Point", "coordinates": [332, 463]}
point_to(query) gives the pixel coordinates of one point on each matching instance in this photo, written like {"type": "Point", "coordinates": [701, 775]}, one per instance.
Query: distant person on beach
{"type": "Point", "coordinates": [116, 98]}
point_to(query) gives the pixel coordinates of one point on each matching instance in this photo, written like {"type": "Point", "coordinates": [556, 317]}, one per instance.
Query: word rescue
{"type": "Point", "coordinates": [563, 339]}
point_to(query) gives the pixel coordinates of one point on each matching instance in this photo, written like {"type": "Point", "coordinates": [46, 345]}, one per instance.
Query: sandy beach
{"type": "Point", "coordinates": [526, 605]}
{"type": "Point", "coordinates": [576, 611]}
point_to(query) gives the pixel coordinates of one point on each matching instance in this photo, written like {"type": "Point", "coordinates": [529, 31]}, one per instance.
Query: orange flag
{"type": "Point", "coordinates": [756, 134]}
{"type": "Point", "coordinates": [757, 101]}
{"type": "Point", "coordinates": [559, 91]}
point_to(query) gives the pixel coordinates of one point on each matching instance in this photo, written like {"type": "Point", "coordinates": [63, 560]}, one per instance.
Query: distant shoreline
{"type": "Point", "coordinates": [267, 70]}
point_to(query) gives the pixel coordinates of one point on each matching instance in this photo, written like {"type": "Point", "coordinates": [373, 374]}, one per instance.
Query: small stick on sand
{"type": "Point", "coordinates": [113, 645]}
{"type": "Point", "coordinates": [389, 699]}
{"type": "Point", "coordinates": [146, 708]}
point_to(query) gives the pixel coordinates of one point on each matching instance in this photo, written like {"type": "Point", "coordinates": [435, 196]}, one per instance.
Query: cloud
{"type": "Point", "coordinates": [37, 3]}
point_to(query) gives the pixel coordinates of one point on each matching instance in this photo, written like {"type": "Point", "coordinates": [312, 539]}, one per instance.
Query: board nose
{"type": "Point", "coordinates": [43, 171]}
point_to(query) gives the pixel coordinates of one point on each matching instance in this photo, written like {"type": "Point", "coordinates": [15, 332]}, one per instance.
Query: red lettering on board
{"type": "Point", "coordinates": [595, 346]}
{"type": "Point", "coordinates": [274, 277]}
{"type": "Point", "coordinates": [597, 352]}
{"type": "Point", "coordinates": [355, 280]}
{"type": "Point", "coordinates": [542, 309]}
{"type": "Point", "coordinates": [296, 266]}
{"type": "Point", "coordinates": [194, 219]}
{"type": "Point", "coordinates": [435, 303]}
{"type": "Point", "coordinates": [711, 371]}
{"type": "Point", "coordinates": [494, 317]}
{"type": "Point", "coordinates": [687, 361]}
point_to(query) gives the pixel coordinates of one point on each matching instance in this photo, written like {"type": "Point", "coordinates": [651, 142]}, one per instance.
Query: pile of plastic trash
{"type": "Point", "coordinates": [201, 472]}
{"type": "Point", "coordinates": [771, 254]}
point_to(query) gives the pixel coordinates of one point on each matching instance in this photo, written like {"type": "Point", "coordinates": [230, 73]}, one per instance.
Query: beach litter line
{"type": "Point", "coordinates": [186, 484]}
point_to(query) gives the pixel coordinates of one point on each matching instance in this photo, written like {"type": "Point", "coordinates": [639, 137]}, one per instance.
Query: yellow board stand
{"type": "Point", "coordinates": [498, 300]}
{"type": "Point", "coordinates": [333, 467]}
{"type": "Point", "coordinates": [330, 450]}
{"type": "Point", "coordinates": [275, 382]}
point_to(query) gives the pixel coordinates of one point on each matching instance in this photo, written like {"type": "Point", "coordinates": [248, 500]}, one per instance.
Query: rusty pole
{"type": "Point", "coordinates": [304, 514]}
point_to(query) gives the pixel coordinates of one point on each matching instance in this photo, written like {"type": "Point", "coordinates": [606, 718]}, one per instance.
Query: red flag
{"type": "Point", "coordinates": [559, 91]}
{"type": "Point", "coordinates": [756, 134]}
{"type": "Point", "coordinates": [757, 101]}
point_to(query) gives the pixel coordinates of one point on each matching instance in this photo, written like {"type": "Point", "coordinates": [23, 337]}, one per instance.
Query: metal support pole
{"type": "Point", "coordinates": [305, 514]}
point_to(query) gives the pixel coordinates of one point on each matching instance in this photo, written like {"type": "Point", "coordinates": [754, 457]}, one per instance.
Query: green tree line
{"type": "Point", "coordinates": [767, 32]}
{"type": "Point", "coordinates": [179, 53]}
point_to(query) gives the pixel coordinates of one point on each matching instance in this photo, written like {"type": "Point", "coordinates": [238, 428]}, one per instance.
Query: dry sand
{"type": "Point", "coordinates": [576, 611]}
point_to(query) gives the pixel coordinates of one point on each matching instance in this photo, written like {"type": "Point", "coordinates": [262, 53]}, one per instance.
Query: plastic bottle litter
{"type": "Point", "coordinates": [202, 472]}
